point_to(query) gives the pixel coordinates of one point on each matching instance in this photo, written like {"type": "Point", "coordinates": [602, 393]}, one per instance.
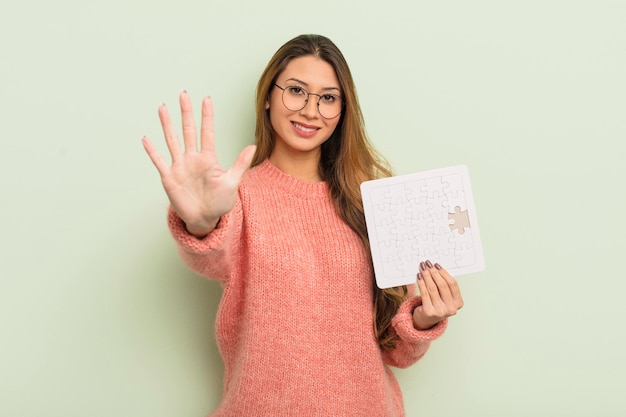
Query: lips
{"type": "Point", "coordinates": [304, 128]}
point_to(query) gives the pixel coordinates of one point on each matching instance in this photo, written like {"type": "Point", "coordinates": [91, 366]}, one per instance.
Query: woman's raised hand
{"type": "Point", "coordinates": [198, 188]}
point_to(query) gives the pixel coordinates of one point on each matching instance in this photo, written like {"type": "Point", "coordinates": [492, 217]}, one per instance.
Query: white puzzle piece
{"type": "Point", "coordinates": [415, 217]}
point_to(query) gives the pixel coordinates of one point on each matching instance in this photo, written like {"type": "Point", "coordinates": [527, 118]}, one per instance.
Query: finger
{"type": "Point", "coordinates": [442, 285]}
{"type": "Point", "coordinates": [424, 293]}
{"type": "Point", "coordinates": [455, 290]}
{"type": "Point", "coordinates": [189, 126]}
{"type": "Point", "coordinates": [207, 126]}
{"type": "Point", "coordinates": [168, 131]}
{"type": "Point", "coordinates": [243, 162]}
{"type": "Point", "coordinates": [155, 157]}
{"type": "Point", "coordinates": [429, 284]}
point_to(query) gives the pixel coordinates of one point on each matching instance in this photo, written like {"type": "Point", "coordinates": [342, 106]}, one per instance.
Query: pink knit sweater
{"type": "Point", "coordinates": [295, 323]}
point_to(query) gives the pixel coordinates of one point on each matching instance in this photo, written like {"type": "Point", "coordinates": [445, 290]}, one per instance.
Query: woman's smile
{"type": "Point", "coordinates": [305, 130]}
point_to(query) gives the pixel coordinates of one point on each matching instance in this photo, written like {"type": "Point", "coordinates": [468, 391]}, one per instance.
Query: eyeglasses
{"type": "Point", "coordinates": [295, 98]}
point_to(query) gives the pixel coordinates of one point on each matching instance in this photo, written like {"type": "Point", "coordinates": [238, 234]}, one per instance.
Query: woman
{"type": "Point", "coordinates": [301, 327]}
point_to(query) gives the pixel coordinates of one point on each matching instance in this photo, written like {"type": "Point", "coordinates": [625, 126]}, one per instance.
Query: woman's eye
{"type": "Point", "coordinates": [296, 91]}
{"type": "Point", "coordinates": [328, 98]}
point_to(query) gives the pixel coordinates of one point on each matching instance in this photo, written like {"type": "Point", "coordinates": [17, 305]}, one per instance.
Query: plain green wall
{"type": "Point", "coordinates": [99, 317]}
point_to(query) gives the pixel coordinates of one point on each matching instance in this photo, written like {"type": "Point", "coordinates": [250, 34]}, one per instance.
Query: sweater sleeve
{"type": "Point", "coordinates": [212, 255]}
{"type": "Point", "coordinates": [413, 343]}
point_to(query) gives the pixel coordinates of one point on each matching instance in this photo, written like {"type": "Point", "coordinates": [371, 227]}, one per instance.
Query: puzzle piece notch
{"type": "Point", "coordinates": [390, 255]}
{"type": "Point", "coordinates": [439, 223]}
{"type": "Point", "coordinates": [461, 220]}
{"type": "Point", "coordinates": [378, 196]}
{"type": "Point", "coordinates": [455, 184]}
{"type": "Point", "coordinates": [399, 260]}
{"type": "Point", "coordinates": [396, 193]}
{"type": "Point", "coordinates": [416, 190]}
{"type": "Point", "coordinates": [385, 234]}
{"type": "Point", "coordinates": [456, 200]}
{"type": "Point", "coordinates": [466, 256]}
{"type": "Point", "coordinates": [402, 214]}
{"type": "Point", "coordinates": [434, 186]}
{"type": "Point", "coordinates": [438, 202]}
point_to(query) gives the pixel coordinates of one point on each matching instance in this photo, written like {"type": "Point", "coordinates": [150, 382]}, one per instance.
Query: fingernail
{"type": "Point", "coordinates": [429, 264]}
{"type": "Point", "coordinates": [437, 266]}
{"type": "Point", "coordinates": [422, 266]}
{"type": "Point", "coordinates": [419, 276]}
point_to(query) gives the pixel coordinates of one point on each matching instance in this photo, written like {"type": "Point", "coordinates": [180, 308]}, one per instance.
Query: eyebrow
{"type": "Point", "coordinates": [307, 84]}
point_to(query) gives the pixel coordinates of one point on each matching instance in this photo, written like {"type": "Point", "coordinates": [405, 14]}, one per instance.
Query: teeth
{"type": "Point", "coordinates": [304, 129]}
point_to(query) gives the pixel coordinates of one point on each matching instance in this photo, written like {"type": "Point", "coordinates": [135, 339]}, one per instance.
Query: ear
{"type": "Point", "coordinates": [267, 102]}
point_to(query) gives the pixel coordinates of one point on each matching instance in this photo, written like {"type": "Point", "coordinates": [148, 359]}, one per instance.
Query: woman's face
{"type": "Point", "coordinates": [302, 132]}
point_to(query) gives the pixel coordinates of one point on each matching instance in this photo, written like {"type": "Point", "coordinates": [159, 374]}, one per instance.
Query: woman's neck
{"type": "Point", "coordinates": [304, 166]}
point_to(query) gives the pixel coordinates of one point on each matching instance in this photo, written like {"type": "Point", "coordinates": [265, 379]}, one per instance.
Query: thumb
{"type": "Point", "coordinates": [243, 162]}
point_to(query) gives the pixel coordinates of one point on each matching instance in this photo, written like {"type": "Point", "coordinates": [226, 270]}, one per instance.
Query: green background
{"type": "Point", "coordinates": [99, 317]}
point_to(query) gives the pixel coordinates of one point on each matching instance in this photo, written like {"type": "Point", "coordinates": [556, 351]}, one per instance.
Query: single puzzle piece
{"type": "Point", "coordinates": [396, 252]}
{"type": "Point", "coordinates": [391, 269]}
{"type": "Point", "coordinates": [381, 213]}
{"type": "Point", "coordinates": [455, 184]}
{"type": "Point", "coordinates": [388, 250]}
{"type": "Point", "coordinates": [401, 263]}
{"type": "Point", "coordinates": [386, 234]}
{"type": "Point", "coordinates": [439, 223]}
{"type": "Point", "coordinates": [403, 234]}
{"type": "Point", "coordinates": [466, 239]}
{"type": "Point", "coordinates": [394, 259]}
{"type": "Point", "coordinates": [435, 186]}
{"type": "Point", "coordinates": [410, 264]}
{"type": "Point", "coordinates": [419, 209]}
{"type": "Point", "coordinates": [446, 249]}
{"type": "Point", "coordinates": [378, 196]}
{"type": "Point", "coordinates": [396, 193]}
{"type": "Point", "coordinates": [465, 256]}
{"type": "Point", "coordinates": [461, 220]}
{"type": "Point", "coordinates": [416, 190]}
{"type": "Point", "coordinates": [419, 232]}
{"type": "Point", "coordinates": [421, 228]}
{"type": "Point", "coordinates": [438, 202]}
{"type": "Point", "coordinates": [457, 200]}
{"type": "Point", "coordinates": [427, 245]}
{"type": "Point", "coordinates": [428, 254]}
{"type": "Point", "coordinates": [446, 245]}
{"type": "Point", "coordinates": [401, 215]}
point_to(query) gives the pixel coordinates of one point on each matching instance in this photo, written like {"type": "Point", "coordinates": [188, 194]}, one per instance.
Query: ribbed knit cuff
{"type": "Point", "coordinates": [403, 324]}
{"type": "Point", "coordinates": [189, 242]}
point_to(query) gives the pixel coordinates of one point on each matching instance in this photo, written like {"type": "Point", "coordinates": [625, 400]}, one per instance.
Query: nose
{"type": "Point", "coordinates": [310, 108]}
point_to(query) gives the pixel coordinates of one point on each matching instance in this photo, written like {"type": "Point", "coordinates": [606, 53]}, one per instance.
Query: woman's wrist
{"type": "Point", "coordinates": [202, 230]}
{"type": "Point", "coordinates": [423, 323]}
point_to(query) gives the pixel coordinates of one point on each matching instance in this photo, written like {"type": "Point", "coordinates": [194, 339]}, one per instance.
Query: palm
{"type": "Point", "coordinates": [198, 188]}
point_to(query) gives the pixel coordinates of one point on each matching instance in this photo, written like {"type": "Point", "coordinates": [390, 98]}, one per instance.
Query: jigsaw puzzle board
{"type": "Point", "coordinates": [415, 217]}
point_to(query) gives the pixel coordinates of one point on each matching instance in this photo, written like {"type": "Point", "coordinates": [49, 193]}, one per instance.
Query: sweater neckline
{"type": "Point", "coordinates": [291, 184]}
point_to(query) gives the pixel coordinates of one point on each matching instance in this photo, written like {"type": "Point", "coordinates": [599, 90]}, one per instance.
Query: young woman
{"type": "Point", "coordinates": [301, 327]}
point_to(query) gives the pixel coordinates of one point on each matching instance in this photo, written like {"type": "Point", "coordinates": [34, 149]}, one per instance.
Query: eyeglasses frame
{"type": "Point", "coordinates": [306, 101]}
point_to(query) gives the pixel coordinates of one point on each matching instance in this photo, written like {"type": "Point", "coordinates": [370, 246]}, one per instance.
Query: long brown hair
{"type": "Point", "coordinates": [347, 157]}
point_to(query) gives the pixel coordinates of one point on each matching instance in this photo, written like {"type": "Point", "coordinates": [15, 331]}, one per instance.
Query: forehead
{"type": "Point", "coordinates": [315, 72]}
